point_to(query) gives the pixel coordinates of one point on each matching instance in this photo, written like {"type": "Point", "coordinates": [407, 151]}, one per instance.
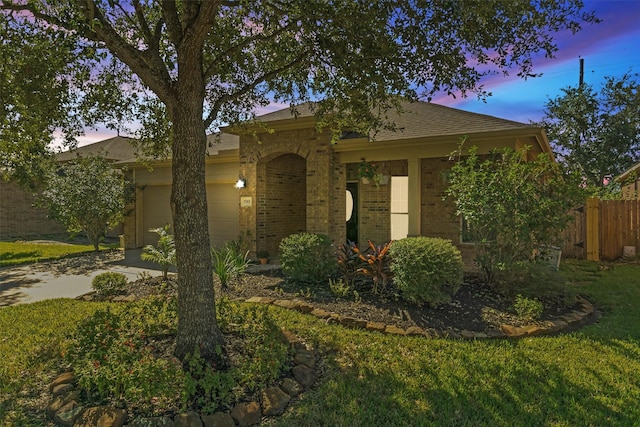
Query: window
{"type": "Point", "coordinates": [399, 207]}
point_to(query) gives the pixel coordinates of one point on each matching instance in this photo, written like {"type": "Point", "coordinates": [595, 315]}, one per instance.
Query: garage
{"type": "Point", "coordinates": [223, 206]}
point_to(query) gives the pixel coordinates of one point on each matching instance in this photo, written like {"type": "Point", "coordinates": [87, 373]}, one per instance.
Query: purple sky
{"type": "Point", "coordinates": [610, 48]}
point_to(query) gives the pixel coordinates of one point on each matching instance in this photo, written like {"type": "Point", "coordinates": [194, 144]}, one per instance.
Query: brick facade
{"type": "Point", "coordinates": [19, 217]}
{"type": "Point", "coordinates": [303, 159]}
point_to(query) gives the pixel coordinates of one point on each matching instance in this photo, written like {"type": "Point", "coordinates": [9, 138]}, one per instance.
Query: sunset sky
{"type": "Point", "coordinates": [610, 48]}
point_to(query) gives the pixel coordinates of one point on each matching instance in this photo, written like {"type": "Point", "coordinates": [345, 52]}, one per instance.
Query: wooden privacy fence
{"type": "Point", "coordinates": [601, 229]}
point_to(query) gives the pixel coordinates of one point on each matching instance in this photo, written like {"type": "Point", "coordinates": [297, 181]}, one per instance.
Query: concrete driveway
{"type": "Point", "coordinates": [67, 278]}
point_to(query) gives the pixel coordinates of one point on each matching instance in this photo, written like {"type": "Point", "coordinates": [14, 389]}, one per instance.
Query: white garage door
{"type": "Point", "coordinates": [223, 206]}
{"type": "Point", "coordinates": [224, 209]}
{"type": "Point", "coordinates": [156, 211]}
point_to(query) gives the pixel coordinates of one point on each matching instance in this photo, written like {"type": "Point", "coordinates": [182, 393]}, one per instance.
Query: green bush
{"type": "Point", "coordinates": [163, 253]}
{"type": "Point", "coordinates": [109, 283]}
{"type": "Point", "coordinates": [426, 270]}
{"type": "Point", "coordinates": [527, 309]}
{"type": "Point", "coordinates": [114, 361]}
{"type": "Point", "coordinates": [229, 262]}
{"type": "Point", "coordinates": [122, 356]}
{"type": "Point", "coordinates": [307, 257]}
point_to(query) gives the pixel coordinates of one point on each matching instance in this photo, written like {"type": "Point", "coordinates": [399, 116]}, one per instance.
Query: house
{"type": "Point", "coordinates": [297, 180]}
{"type": "Point", "coordinates": [19, 214]}
{"type": "Point", "coordinates": [151, 208]}
{"type": "Point", "coordinates": [630, 182]}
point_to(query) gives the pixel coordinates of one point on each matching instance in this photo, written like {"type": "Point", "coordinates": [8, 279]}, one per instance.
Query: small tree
{"type": "Point", "coordinates": [163, 253]}
{"type": "Point", "coordinates": [596, 133]}
{"type": "Point", "coordinates": [86, 195]}
{"type": "Point", "coordinates": [511, 207]}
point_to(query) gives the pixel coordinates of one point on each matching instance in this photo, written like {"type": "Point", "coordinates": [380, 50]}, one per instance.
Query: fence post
{"type": "Point", "coordinates": [593, 232]}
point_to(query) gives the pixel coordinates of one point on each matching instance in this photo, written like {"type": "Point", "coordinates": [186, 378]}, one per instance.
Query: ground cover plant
{"type": "Point", "coordinates": [24, 252]}
{"type": "Point", "coordinates": [584, 377]}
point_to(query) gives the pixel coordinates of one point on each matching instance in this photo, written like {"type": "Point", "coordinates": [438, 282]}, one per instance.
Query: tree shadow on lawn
{"type": "Point", "coordinates": [457, 383]}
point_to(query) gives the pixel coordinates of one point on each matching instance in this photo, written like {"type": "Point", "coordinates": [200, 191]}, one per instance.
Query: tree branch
{"type": "Point", "coordinates": [171, 18]}
{"type": "Point", "coordinates": [144, 26]}
{"type": "Point", "coordinates": [250, 86]}
{"type": "Point", "coordinates": [146, 64]}
{"type": "Point", "coordinates": [247, 42]}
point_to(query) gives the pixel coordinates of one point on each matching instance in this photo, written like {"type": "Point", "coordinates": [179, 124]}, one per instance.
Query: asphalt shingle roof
{"type": "Point", "coordinates": [116, 149]}
{"type": "Point", "coordinates": [419, 120]}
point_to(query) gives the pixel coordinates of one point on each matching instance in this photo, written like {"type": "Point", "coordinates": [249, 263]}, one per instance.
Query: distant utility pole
{"type": "Point", "coordinates": [581, 71]}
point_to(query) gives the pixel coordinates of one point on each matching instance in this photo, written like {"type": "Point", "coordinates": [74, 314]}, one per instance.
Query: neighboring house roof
{"type": "Point", "coordinates": [419, 120]}
{"type": "Point", "coordinates": [217, 143]}
{"type": "Point", "coordinates": [121, 150]}
{"type": "Point", "coordinates": [633, 171]}
{"type": "Point", "coordinates": [116, 149]}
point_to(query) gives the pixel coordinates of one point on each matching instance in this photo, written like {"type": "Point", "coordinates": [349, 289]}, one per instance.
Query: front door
{"type": "Point", "coordinates": [352, 212]}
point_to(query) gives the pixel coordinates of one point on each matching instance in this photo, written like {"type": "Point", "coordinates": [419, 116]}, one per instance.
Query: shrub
{"type": "Point", "coordinates": [348, 261]}
{"type": "Point", "coordinates": [426, 270]}
{"type": "Point", "coordinates": [122, 356]}
{"type": "Point", "coordinates": [163, 253]}
{"type": "Point", "coordinates": [114, 362]}
{"type": "Point", "coordinates": [229, 262]}
{"type": "Point", "coordinates": [376, 264]}
{"type": "Point", "coordinates": [307, 257]}
{"type": "Point", "coordinates": [109, 283]}
{"type": "Point", "coordinates": [527, 309]}
{"type": "Point", "coordinates": [512, 204]}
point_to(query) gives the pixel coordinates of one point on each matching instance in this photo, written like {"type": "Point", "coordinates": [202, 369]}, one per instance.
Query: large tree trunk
{"type": "Point", "coordinates": [197, 325]}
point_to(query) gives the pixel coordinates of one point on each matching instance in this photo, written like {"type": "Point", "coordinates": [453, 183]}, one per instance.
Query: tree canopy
{"type": "Point", "coordinates": [596, 133]}
{"type": "Point", "coordinates": [86, 194]}
{"type": "Point", "coordinates": [191, 65]}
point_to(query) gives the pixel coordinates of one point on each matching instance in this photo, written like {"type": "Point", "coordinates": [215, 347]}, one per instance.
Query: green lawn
{"type": "Point", "coordinates": [17, 253]}
{"type": "Point", "coordinates": [588, 377]}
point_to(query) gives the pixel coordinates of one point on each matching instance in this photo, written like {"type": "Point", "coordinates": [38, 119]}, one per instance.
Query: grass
{"type": "Point", "coordinates": [586, 377]}
{"type": "Point", "coordinates": [20, 252]}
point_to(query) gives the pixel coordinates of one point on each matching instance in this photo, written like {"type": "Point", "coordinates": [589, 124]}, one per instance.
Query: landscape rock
{"type": "Point", "coordinates": [416, 330]}
{"type": "Point", "coordinates": [375, 326]}
{"type": "Point", "coordinates": [302, 307]}
{"type": "Point", "coordinates": [189, 419]}
{"type": "Point", "coordinates": [152, 422]}
{"type": "Point", "coordinates": [392, 329]}
{"type": "Point", "coordinates": [305, 357]}
{"type": "Point", "coordinates": [219, 419]}
{"type": "Point", "coordinates": [68, 413]}
{"type": "Point", "coordinates": [320, 313]}
{"type": "Point", "coordinates": [274, 401]}
{"type": "Point", "coordinates": [61, 389]}
{"type": "Point", "coordinates": [102, 416]}
{"type": "Point", "coordinates": [304, 375]}
{"type": "Point", "coordinates": [246, 414]}
{"type": "Point", "coordinates": [61, 400]}
{"type": "Point", "coordinates": [291, 387]}
{"type": "Point", "coordinates": [351, 322]}
{"type": "Point", "coordinates": [65, 378]}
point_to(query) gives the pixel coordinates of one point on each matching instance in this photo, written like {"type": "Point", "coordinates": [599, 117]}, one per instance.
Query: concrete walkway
{"type": "Point", "coordinates": [67, 278]}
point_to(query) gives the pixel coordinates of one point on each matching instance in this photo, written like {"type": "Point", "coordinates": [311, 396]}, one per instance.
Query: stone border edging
{"type": "Point", "coordinates": [65, 407]}
{"type": "Point", "coordinates": [506, 331]}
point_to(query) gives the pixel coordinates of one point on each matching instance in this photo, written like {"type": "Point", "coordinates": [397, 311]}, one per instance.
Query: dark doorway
{"type": "Point", "coordinates": [352, 214]}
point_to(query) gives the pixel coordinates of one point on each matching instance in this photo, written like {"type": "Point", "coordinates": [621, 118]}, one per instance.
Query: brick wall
{"type": "Point", "coordinates": [311, 165]}
{"type": "Point", "coordinates": [19, 217]}
{"type": "Point", "coordinates": [282, 200]}
{"type": "Point", "coordinates": [438, 216]}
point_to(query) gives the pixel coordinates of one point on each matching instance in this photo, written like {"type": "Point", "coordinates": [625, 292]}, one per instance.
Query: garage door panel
{"type": "Point", "coordinates": [156, 211]}
{"type": "Point", "coordinates": [222, 204]}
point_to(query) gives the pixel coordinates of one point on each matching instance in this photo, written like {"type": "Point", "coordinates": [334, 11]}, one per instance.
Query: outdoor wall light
{"type": "Point", "coordinates": [241, 183]}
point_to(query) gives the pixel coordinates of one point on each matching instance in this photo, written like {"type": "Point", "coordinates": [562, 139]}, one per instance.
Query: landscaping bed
{"type": "Point", "coordinates": [476, 307]}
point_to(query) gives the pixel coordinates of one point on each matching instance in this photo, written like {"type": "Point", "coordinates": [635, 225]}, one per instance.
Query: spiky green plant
{"type": "Point", "coordinates": [163, 253]}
